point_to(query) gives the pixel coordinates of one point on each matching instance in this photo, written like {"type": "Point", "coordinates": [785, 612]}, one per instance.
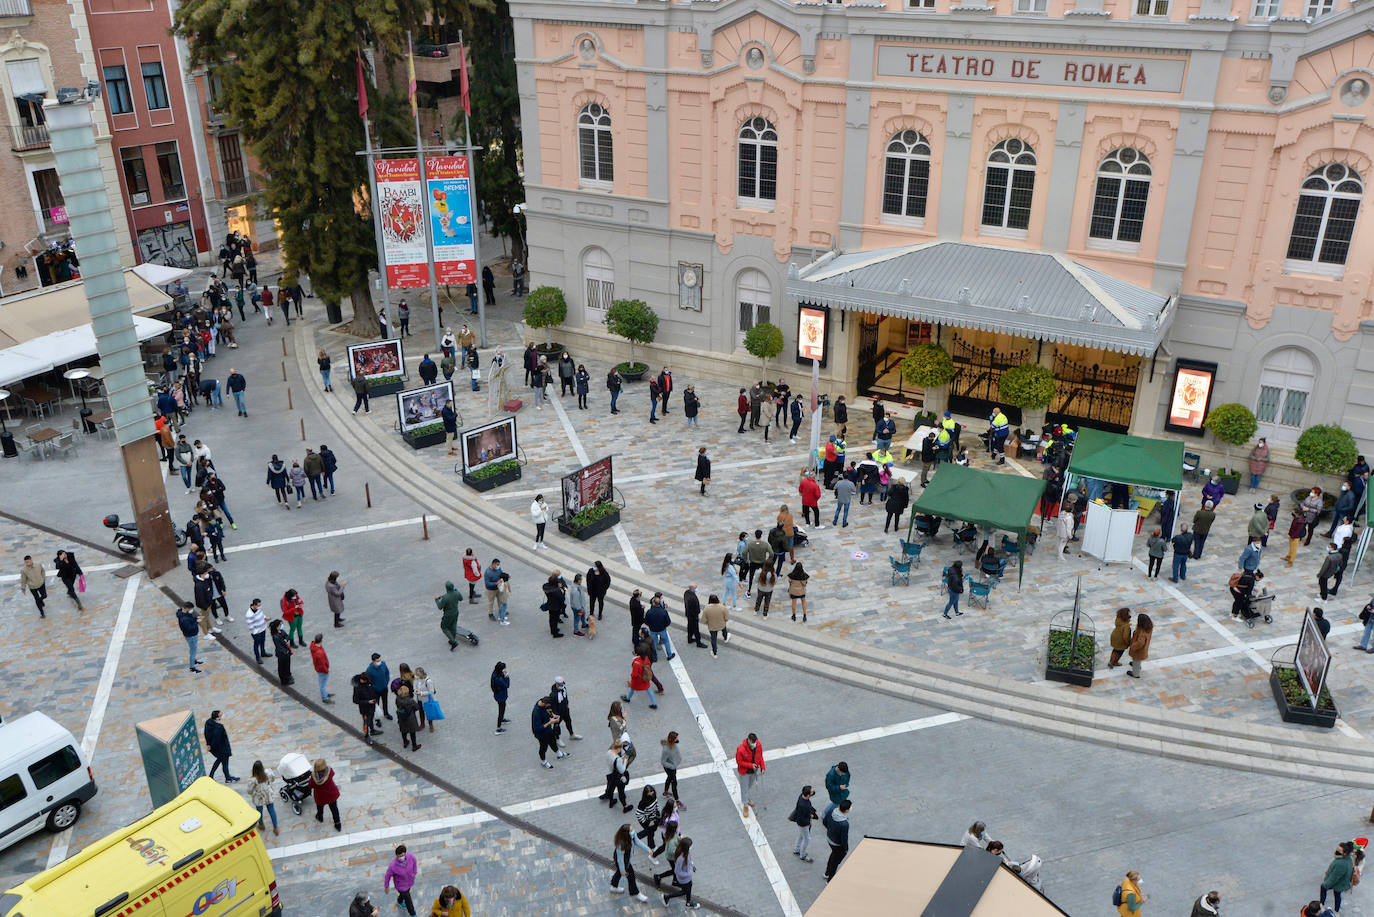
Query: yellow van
{"type": "Point", "coordinates": [200, 855]}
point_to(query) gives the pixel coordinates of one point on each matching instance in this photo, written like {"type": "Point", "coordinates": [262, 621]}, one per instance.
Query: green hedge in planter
{"type": "Point", "coordinates": [544, 308]}
{"type": "Point", "coordinates": [426, 430]}
{"type": "Point", "coordinates": [928, 366]}
{"type": "Point", "coordinates": [632, 369]}
{"type": "Point", "coordinates": [1232, 424]}
{"type": "Point", "coordinates": [495, 468]}
{"type": "Point", "coordinates": [1326, 449]}
{"type": "Point", "coordinates": [1029, 386]}
{"type": "Point", "coordinates": [1297, 695]}
{"type": "Point", "coordinates": [1061, 643]}
{"type": "Point", "coordinates": [591, 514]}
{"type": "Point", "coordinates": [764, 341]}
{"type": "Point", "coordinates": [379, 381]}
{"type": "Point", "coordinates": [633, 320]}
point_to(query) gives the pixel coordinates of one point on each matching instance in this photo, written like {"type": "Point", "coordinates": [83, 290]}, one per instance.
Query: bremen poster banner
{"type": "Point", "coordinates": [401, 207]}
{"type": "Point", "coordinates": [450, 219]}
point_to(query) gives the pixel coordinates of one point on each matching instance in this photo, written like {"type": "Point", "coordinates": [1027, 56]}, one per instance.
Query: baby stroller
{"type": "Point", "coordinates": [799, 539]}
{"type": "Point", "coordinates": [294, 769]}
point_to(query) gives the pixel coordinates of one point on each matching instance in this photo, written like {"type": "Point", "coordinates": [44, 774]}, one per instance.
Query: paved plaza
{"type": "Point", "coordinates": [478, 810]}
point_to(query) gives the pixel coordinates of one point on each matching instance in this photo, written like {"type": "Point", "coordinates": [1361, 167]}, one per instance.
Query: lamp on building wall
{"type": "Point", "coordinates": [519, 211]}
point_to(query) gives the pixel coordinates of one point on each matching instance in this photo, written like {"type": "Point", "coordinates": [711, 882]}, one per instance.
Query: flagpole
{"type": "Point", "coordinates": [372, 191]}
{"type": "Point", "coordinates": [424, 184]}
{"type": "Point", "coordinates": [472, 198]}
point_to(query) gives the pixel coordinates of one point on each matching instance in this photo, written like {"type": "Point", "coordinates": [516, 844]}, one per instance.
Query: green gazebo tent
{"type": "Point", "coordinates": [1000, 501]}
{"type": "Point", "coordinates": [1128, 459]}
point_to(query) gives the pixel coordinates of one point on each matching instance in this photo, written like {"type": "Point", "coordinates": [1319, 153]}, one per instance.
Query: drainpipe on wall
{"type": "Point", "coordinates": [214, 228]}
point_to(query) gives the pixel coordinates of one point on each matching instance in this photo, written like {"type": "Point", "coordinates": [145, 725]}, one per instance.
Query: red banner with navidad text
{"type": "Point", "coordinates": [401, 209]}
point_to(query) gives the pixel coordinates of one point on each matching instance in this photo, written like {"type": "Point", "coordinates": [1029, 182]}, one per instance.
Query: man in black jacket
{"type": "Point", "coordinates": [691, 607]}
{"type": "Point", "coordinates": [237, 384]}
{"type": "Point", "coordinates": [429, 371]}
{"type": "Point", "coordinates": [217, 740]}
{"type": "Point", "coordinates": [836, 821]}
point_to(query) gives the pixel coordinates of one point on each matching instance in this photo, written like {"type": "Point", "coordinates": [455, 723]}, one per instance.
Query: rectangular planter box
{"type": "Point", "coordinates": [588, 531]}
{"type": "Point", "coordinates": [494, 481]}
{"type": "Point", "coordinates": [1303, 716]}
{"type": "Point", "coordinates": [390, 388]}
{"type": "Point", "coordinates": [424, 439]}
{"type": "Point", "coordinates": [1081, 677]}
{"type": "Point", "coordinates": [1232, 485]}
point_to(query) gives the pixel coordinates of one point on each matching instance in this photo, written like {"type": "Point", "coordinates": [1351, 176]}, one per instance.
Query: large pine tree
{"type": "Point", "coordinates": [287, 76]}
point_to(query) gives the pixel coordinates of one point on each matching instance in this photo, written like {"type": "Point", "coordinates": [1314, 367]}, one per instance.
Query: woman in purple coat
{"type": "Point", "coordinates": [1214, 490]}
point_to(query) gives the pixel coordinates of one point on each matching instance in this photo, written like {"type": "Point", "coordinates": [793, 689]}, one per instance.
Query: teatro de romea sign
{"type": "Point", "coordinates": [1088, 69]}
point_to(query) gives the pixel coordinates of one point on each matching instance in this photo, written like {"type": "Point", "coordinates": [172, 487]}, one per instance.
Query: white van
{"type": "Point", "coordinates": [44, 778]}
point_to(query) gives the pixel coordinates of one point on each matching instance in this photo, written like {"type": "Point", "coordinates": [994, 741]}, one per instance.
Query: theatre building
{"type": "Point", "coordinates": [1118, 189]}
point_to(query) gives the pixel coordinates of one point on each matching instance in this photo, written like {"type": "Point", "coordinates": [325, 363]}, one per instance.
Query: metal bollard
{"type": "Point", "coordinates": [367, 492]}
{"type": "Point", "coordinates": [424, 524]}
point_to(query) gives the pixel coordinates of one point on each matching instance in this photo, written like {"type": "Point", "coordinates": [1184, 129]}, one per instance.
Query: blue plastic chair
{"type": "Point", "coordinates": [964, 538]}
{"type": "Point", "coordinates": [911, 550]}
{"type": "Point", "coordinates": [979, 591]}
{"type": "Point", "coordinates": [901, 569]}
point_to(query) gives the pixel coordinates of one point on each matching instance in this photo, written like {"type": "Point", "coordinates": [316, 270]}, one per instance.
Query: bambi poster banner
{"type": "Point", "coordinates": [450, 219]}
{"type": "Point", "coordinates": [401, 209]}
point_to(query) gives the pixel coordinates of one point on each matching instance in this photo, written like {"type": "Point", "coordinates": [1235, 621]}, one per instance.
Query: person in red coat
{"type": "Point", "coordinates": [810, 490]}
{"type": "Point", "coordinates": [320, 659]}
{"type": "Point", "coordinates": [749, 763]}
{"type": "Point", "coordinates": [325, 791]}
{"type": "Point", "coordinates": [641, 676]}
{"type": "Point", "coordinates": [743, 409]}
{"type": "Point", "coordinates": [472, 572]}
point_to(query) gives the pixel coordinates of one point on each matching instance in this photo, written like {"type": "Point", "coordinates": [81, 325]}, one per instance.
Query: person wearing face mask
{"type": "Point", "coordinates": [1345, 506]}
{"type": "Point", "coordinates": [539, 514]}
{"type": "Point", "coordinates": [1312, 505]}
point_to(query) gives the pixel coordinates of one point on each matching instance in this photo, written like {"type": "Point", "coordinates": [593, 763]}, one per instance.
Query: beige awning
{"type": "Point", "coordinates": [888, 878]}
{"type": "Point", "coordinates": [26, 316]}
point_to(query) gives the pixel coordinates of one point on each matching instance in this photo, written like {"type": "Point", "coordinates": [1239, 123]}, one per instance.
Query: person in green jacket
{"type": "Point", "coordinates": [837, 783]}
{"type": "Point", "coordinates": [449, 603]}
{"type": "Point", "coordinates": [1339, 873]}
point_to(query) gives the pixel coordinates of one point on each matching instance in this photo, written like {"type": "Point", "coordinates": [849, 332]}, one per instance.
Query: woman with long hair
{"type": "Point", "coordinates": [796, 589]}
{"type": "Point", "coordinates": [683, 868]}
{"type": "Point", "coordinates": [1121, 637]}
{"type": "Point", "coordinates": [1140, 643]}
{"type": "Point", "coordinates": [625, 842]}
{"type": "Point", "coordinates": [647, 814]}
{"type": "Point", "coordinates": [260, 794]}
{"type": "Point", "coordinates": [500, 692]}
{"type": "Point", "coordinates": [728, 570]}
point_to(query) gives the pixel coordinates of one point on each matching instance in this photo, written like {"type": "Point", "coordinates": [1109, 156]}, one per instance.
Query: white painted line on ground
{"type": "Point", "coordinates": [618, 530]}
{"type": "Point", "coordinates": [391, 832]}
{"type": "Point", "coordinates": [656, 475]}
{"type": "Point", "coordinates": [52, 574]}
{"type": "Point", "coordinates": [1218, 652]}
{"type": "Point", "coordinates": [316, 536]}
{"type": "Point", "coordinates": [1196, 610]}
{"type": "Point", "coordinates": [62, 842]}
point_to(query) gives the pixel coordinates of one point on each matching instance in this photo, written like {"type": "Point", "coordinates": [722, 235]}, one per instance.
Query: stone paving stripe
{"type": "Point", "coordinates": [316, 536]}
{"type": "Point", "coordinates": [91, 736]}
{"type": "Point", "coordinates": [658, 475]}
{"type": "Point", "coordinates": [381, 834]}
{"type": "Point", "coordinates": [1197, 612]}
{"type": "Point", "coordinates": [52, 574]}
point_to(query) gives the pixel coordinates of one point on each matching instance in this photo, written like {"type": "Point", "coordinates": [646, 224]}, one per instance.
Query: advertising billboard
{"type": "Point", "coordinates": [420, 406]}
{"type": "Point", "coordinates": [375, 359]}
{"type": "Point", "coordinates": [813, 324]}
{"type": "Point", "coordinates": [587, 486]}
{"type": "Point", "coordinates": [1191, 396]}
{"type": "Point", "coordinates": [1312, 657]}
{"type": "Point", "coordinates": [451, 218]}
{"type": "Point", "coordinates": [488, 443]}
{"type": "Point", "coordinates": [401, 211]}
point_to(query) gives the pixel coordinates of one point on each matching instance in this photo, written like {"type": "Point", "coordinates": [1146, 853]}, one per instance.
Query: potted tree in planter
{"type": "Point", "coordinates": [492, 475]}
{"type": "Point", "coordinates": [1233, 425]}
{"type": "Point", "coordinates": [431, 434]}
{"type": "Point", "coordinates": [1326, 449]}
{"type": "Point", "coordinates": [590, 520]}
{"type": "Point", "coordinates": [1294, 703]}
{"type": "Point", "coordinates": [764, 341]}
{"type": "Point", "coordinates": [544, 308]}
{"type": "Point", "coordinates": [633, 320]}
{"type": "Point", "coordinates": [1029, 387]}
{"type": "Point", "coordinates": [929, 367]}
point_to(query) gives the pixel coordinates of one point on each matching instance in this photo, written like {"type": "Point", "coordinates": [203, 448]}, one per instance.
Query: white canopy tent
{"type": "Point", "coordinates": [159, 275]}
{"type": "Point", "coordinates": [51, 327]}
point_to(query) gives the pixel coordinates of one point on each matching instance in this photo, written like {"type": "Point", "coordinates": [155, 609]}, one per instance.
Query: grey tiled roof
{"type": "Point", "coordinates": [1032, 294]}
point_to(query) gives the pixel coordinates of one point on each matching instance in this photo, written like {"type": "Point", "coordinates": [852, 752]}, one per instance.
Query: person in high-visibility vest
{"type": "Point", "coordinates": [948, 424]}
{"type": "Point", "coordinates": [942, 446]}
{"type": "Point", "coordinates": [997, 442]}
{"type": "Point", "coordinates": [882, 457]}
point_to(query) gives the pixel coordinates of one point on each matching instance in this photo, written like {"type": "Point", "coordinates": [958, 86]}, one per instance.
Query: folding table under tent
{"type": "Point", "coordinates": [1122, 459]}
{"type": "Point", "coordinates": [986, 498]}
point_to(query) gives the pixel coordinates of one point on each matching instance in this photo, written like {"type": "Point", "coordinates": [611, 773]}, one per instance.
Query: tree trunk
{"type": "Point", "coordinates": [632, 354]}
{"type": "Point", "coordinates": [364, 323]}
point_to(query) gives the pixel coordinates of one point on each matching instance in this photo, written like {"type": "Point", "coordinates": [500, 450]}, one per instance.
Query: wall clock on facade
{"type": "Point", "coordinates": [689, 286]}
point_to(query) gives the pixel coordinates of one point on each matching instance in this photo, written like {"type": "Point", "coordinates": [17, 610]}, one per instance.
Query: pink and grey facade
{"type": "Point", "coordinates": [1106, 186]}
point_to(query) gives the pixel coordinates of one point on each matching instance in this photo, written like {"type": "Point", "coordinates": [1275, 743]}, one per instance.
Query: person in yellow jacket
{"type": "Point", "coordinates": [997, 439]}
{"type": "Point", "coordinates": [1132, 898]}
{"type": "Point", "coordinates": [882, 457]}
{"type": "Point", "coordinates": [950, 426]}
{"type": "Point", "coordinates": [942, 446]}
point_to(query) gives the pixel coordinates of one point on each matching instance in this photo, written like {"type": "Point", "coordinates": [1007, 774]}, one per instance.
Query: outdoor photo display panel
{"type": "Point", "coordinates": [488, 443]}
{"type": "Point", "coordinates": [420, 406]}
{"type": "Point", "coordinates": [1191, 396]}
{"type": "Point", "coordinates": [1312, 658]}
{"type": "Point", "coordinates": [587, 486]}
{"type": "Point", "coordinates": [376, 358]}
{"type": "Point", "coordinates": [450, 218]}
{"type": "Point", "coordinates": [401, 209]}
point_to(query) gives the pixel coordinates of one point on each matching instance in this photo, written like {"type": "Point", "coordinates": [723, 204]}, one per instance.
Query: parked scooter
{"type": "Point", "coordinates": [126, 535]}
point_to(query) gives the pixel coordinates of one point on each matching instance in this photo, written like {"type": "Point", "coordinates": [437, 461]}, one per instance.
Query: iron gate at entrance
{"type": "Point", "coordinates": [1093, 396]}
{"type": "Point", "coordinates": [977, 371]}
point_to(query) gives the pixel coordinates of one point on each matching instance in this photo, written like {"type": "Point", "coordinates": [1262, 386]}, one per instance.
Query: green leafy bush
{"type": "Point", "coordinates": [1029, 385]}
{"type": "Point", "coordinates": [764, 341]}
{"type": "Point", "coordinates": [928, 366]}
{"type": "Point", "coordinates": [590, 514]}
{"type": "Point", "coordinates": [633, 320]}
{"type": "Point", "coordinates": [417, 432]}
{"type": "Point", "coordinates": [1326, 449]}
{"type": "Point", "coordinates": [544, 308]}
{"type": "Point", "coordinates": [1062, 646]}
{"type": "Point", "coordinates": [1297, 695]}
{"type": "Point", "coordinates": [495, 468]}
{"type": "Point", "coordinates": [1233, 425]}
{"type": "Point", "coordinates": [632, 369]}
{"type": "Point", "coordinates": [379, 381]}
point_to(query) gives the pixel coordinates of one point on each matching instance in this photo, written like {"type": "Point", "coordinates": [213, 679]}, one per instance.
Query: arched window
{"type": "Point", "coordinates": [1009, 186]}
{"type": "Point", "coordinates": [755, 296]}
{"type": "Point", "coordinates": [758, 164]}
{"type": "Point", "coordinates": [1325, 220]}
{"type": "Point", "coordinates": [906, 177]}
{"type": "Point", "coordinates": [598, 276]}
{"type": "Point", "coordinates": [1285, 388]}
{"type": "Point", "coordinates": [594, 146]}
{"type": "Point", "coordinates": [1123, 188]}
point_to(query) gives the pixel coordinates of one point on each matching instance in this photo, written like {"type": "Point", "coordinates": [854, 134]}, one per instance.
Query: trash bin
{"type": "Point", "coordinates": [7, 444]}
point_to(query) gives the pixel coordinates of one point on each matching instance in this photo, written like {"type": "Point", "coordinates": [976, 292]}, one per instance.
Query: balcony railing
{"type": "Point", "coordinates": [15, 8]}
{"type": "Point", "coordinates": [28, 137]}
{"type": "Point", "coordinates": [231, 188]}
{"type": "Point", "coordinates": [420, 50]}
